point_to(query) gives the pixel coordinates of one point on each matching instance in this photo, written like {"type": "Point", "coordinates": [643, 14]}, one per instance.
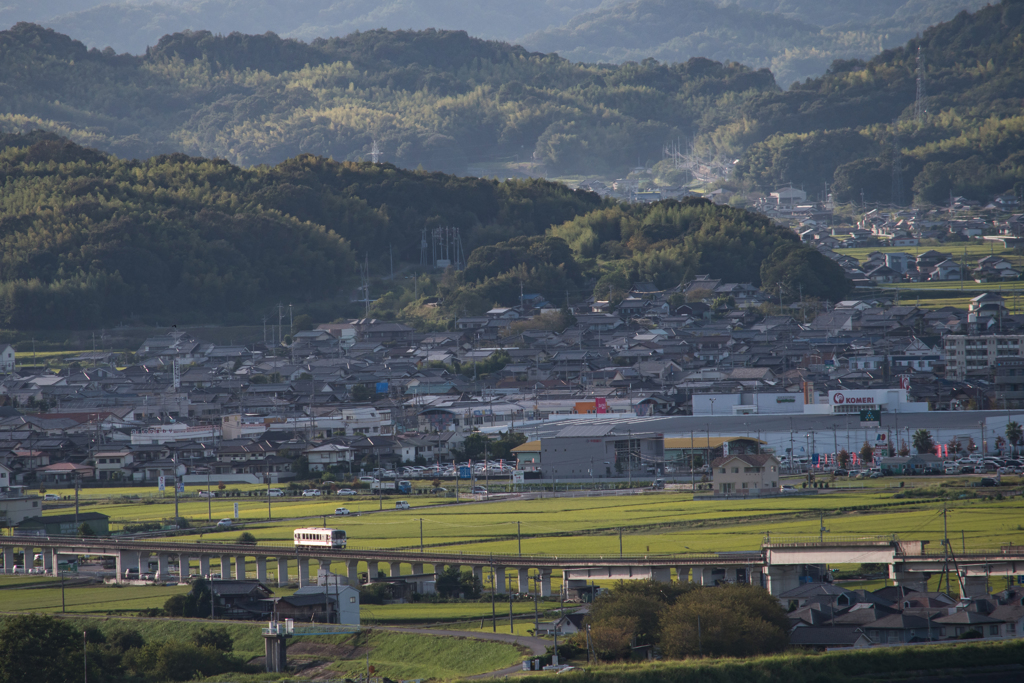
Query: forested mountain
{"type": "Point", "coordinates": [90, 240]}
{"type": "Point", "coordinates": [134, 25]}
{"type": "Point", "coordinates": [842, 128]}
{"type": "Point", "coordinates": [796, 39]}
{"type": "Point", "coordinates": [439, 99]}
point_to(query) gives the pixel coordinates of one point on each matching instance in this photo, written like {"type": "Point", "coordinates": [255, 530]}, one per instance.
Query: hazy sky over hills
{"type": "Point", "coordinates": [794, 38]}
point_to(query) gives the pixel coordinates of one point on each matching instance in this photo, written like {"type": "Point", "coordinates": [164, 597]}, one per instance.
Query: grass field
{"type": "Point", "coordinates": [972, 251]}
{"type": "Point", "coordinates": [406, 656]}
{"type": "Point", "coordinates": [88, 600]}
{"type": "Point", "coordinates": [431, 613]}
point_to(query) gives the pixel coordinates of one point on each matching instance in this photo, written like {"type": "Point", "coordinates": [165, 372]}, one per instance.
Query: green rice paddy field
{"type": "Point", "coordinates": [662, 522]}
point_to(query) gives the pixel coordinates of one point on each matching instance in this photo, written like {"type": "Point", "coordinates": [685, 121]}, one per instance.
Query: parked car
{"type": "Point", "coordinates": [225, 523]}
{"type": "Point", "coordinates": [346, 492]}
{"type": "Point", "coordinates": [274, 493]}
{"type": "Point", "coordinates": [987, 481]}
{"type": "Point", "coordinates": [207, 494]}
{"type": "Point", "coordinates": [51, 496]}
{"type": "Point", "coordinates": [342, 511]}
{"type": "Point", "coordinates": [842, 473]}
{"type": "Point", "coordinates": [787, 489]}
{"type": "Point", "coordinates": [401, 505]}
{"type": "Point", "coordinates": [479, 490]}
{"type": "Point", "coordinates": [966, 469]}
{"type": "Point", "coordinates": [311, 493]}
{"type": "Point", "coordinates": [367, 480]}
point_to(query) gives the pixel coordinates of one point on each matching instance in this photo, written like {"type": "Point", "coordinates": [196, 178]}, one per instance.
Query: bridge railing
{"type": "Point", "coordinates": [828, 540]}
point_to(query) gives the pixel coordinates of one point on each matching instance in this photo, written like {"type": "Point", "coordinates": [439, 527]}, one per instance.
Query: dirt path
{"type": "Point", "coordinates": [538, 646]}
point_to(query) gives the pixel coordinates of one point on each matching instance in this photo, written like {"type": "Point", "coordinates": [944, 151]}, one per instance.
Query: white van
{"type": "Point", "coordinates": [401, 505]}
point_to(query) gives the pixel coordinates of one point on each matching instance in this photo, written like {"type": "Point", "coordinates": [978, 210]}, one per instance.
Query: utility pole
{"type": "Point", "coordinates": [519, 537]}
{"type": "Point", "coordinates": [945, 548]}
{"type": "Point", "coordinates": [175, 461]}
{"type": "Point", "coordinates": [421, 534]}
{"type": "Point", "coordinates": [620, 541]}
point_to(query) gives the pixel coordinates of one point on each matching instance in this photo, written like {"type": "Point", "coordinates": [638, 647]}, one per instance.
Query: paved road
{"type": "Point", "coordinates": [537, 645]}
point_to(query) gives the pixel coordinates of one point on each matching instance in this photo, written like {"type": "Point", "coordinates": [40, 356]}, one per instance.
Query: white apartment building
{"type": "Point", "coordinates": [969, 355]}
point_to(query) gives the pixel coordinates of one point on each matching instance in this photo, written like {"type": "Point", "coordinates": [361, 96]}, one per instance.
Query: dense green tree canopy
{"type": "Point", "coordinates": [841, 128]}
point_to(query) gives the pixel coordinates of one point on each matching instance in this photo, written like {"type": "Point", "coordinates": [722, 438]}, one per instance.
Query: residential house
{"type": "Point", "coordinates": [746, 474]}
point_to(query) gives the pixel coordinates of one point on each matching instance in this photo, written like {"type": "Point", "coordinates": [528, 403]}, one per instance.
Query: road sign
{"type": "Point", "coordinates": [161, 483]}
{"type": "Point", "coordinates": [518, 477]}
{"type": "Point", "coordinates": [465, 472]}
{"type": "Point", "coordinates": [181, 487]}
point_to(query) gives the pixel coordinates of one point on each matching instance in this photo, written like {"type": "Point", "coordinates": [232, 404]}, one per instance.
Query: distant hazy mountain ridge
{"type": "Point", "coordinates": [794, 38]}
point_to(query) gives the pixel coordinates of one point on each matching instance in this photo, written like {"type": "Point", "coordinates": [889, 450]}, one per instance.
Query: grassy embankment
{"type": "Point", "coordinates": [962, 661]}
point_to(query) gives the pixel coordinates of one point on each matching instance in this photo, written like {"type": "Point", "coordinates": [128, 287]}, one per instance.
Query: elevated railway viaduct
{"type": "Point", "coordinates": [780, 564]}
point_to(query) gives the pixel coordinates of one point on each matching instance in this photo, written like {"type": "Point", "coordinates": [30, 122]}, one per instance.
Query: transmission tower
{"type": "Point", "coordinates": [375, 152]}
{"type": "Point", "coordinates": [919, 110]}
{"type": "Point", "coordinates": [897, 166]}
{"type": "Point", "coordinates": [424, 255]}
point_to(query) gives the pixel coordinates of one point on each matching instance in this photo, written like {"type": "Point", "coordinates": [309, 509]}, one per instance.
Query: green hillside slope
{"type": "Point", "coordinates": [437, 99]}
{"type": "Point", "coordinates": [840, 128]}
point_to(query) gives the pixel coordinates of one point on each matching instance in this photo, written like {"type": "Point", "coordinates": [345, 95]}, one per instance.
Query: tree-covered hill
{"type": "Point", "coordinates": [87, 239]}
{"type": "Point", "coordinates": [840, 128]}
{"type": "Point", "coordinates": [439, 99]}
{"type": "Point", "coordinates": [796, 39]}
{"type": "Point", "coordinates": [90, 240]}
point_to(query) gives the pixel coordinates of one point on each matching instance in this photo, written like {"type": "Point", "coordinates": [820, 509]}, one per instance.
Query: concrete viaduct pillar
{"type": "Point", "coordinates": [303, 572]}
{"type": "Point", "coordinates": [661, 574]}
{"type": "Point", "coordinates": [204, 566]}
{"type": "Point", "coordinates": [261, 569]}
{"type": "Point", "coordinates": [8, 559]}
{"type": "Point", "coordinates": [417, 568]}
{"type": "Point", "coordinates": [478, 573]}
{"type": "Point", "coordinates": [225, 567]}
{"type": "Point", "coordinates": [501, 580]}
{"type": "Point", "coordinates": [524, 581]}
{"type": "Point", "coordinates": [352, 567]}
{"type": "Point", "coordinates": [682, 574]}
{"type": "Point", "coordinates": [240, 567]}
{"type": "Point", "coordinates": [184, 568]}
{"type": "Point", "coordinates": [124, 560]}
{"type": "Point", "coordinates": [974, 586]}
{"type": "Point", "coordinates": [545, 583]}
{"type": "Point", "coordinates": [282, 571]}
{"type": "Point", "coordinates": [325, 569]}
{"type": "Point", "coordinates": [48, 565]}
{"type": "Point", "coordinates": [395, 569]}
{"type": "Point", "coordinates": [163, 567]}
{"type": "Point", "coordinates": [372, 570]}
